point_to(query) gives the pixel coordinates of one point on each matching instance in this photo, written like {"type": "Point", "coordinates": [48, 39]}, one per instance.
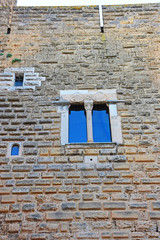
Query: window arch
{"type": "Point", "coordinates": [15, 150]}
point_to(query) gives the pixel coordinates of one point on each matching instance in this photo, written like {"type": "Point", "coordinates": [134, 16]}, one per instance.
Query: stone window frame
{"type": "Point", "coordinates": [31, 79]}
{"type": "Point", "coordinates": [10, 145]}
{"type": "Point", "coordinates": [89, 98]}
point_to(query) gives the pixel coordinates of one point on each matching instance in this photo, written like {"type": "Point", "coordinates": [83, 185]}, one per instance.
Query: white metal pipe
{"type": "Point", "coordinates": [101, 15]}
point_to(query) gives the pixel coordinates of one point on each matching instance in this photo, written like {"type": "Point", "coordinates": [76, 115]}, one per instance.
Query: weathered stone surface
{"type": "Point", "coordinates": [59, 216]}
{"type": "Point", "coordinates": [90, 205]}
{"type": "Point", "coordinates": [4, 208]}
{"type": "Point", "coordinates": [154, 215]}
{"type": "Point", "coordinates": [28, 207]}
{"type": "Point", "coordinates": [14, 217]}
{"type": "Point", "coordinates": [114, 205]}
{"type": "Point", "coordinates": [52, 191]}
{"type": "Point", "coordinates": [68, 206]}
{"type": "Point", "coordinates": [125, 215]}
{"type": "Point", "coordinates": [96, 215]}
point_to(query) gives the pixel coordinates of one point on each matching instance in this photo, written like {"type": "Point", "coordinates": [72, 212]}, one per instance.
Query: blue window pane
{"type": "Point", "coordinates": [19, 79]}
{"type": "Point", "coordinates": [15, 150]}
{"type": "Point", "coordinates": [18, 83]}
{"type": "Point", "coordinates": [101, 124]}
{"type": "Point", "coordinates": [77, 124]}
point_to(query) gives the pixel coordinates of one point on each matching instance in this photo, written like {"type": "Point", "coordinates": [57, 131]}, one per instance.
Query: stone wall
{"type": "Point", "coordinates": [49, 191]}
{"type": "Point", "coordinates": [7, 3]}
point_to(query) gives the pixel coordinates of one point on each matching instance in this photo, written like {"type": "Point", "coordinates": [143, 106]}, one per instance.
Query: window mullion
{"type": "Point", "coordinates": [88, 104]}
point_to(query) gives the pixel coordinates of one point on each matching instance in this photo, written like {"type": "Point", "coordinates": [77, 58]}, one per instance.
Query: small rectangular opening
{"type": "Point", "coordinates": [102, 30]}
{"type": "Point", "coordinates": [8, 30]}
{"type": "Point", "coordinates": [19, 80]}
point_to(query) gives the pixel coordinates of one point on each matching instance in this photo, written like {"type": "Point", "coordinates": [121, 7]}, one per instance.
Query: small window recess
{"type": "Point", "coordinates": [102, 30]}
{"type": "Point", "coordinates": [8, 30]}
{"type": "Point", "coordinates": [15, 149]}
{"type": "Point", "coordinates": [19, 79]}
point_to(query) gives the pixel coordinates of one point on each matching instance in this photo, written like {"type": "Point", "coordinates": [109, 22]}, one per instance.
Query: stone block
{"type": "Point", "coordinates": [156, 205]}
{"type": "Point", "coordinates": [28, 207]}
{"type": "Point", "coordinates": [121, 166]}
{"type": "Point", "coordinates": [74, 174]}
{"type": "Point", "coordinates": [5, 168]}
{"type": "Point", "coordinates": [68, 206]}
{"type": "Point", "coordinates": [39, 167]}
{"type": "Point", "coordinates": [59, 216]}
{"type": "Point", "coordinates": [76, 159]}
{"type": "Point", "coordinates": [6, 176]}
{"type": "Point", "coordinates": [151, 181]}
{"type": "Point", "coordinates": [81, 181]}
{"type": "Point", "coordinates": [40, 182]}
{"type": "Point", "coordinates": [91, 189]}
{"type": "Point", "coordinates": [125, 215]}
{"type": "Point", "coordinates": [106, 235]}
{"type": "Point", "coordinates": [96, 215]}
{"type": "Point", "coordinates": [69, 167]}
{"type": "Point", "coordinates": [90, 174]}
{"type": "Point", "coordinates": [21, 168]}
{"type": "Point", "coordinates": [48, 207]}
{"type": "Point", "coordinates": [114, 205]}
{"type": "Point", "coordinates": [73, 197]}
{"type": "Point", "coordinates": [39, 236]}
{"type": "Point", "coordinates": [13, 228]}
{"type": "Point", "coordinates": [25, 182]}
{"type": "Point", "coordinates": [88, 235]}
{"type": "Point", "coordinates": [45, 160]}
{"type": "Point", "coordinates": [138, 205]}
{"type": "Point", "coordinates": [90, 206]}
{"type": "Point", "coordinates": [83, 167]}
{"type": "Point", "coordinates": [24, 190]}
{"type": "Point", "coordinates": [120, 235]}
{"type": "Point", "coordinates": [104, 166]}
{"type": "Point", "coordinates": [36, 190]}
{"type": "Point", "coordinates": [154, 215]}
{"type": "Point", "coordinates": [34, 217]}
{"type": "Point", "coordinates": [144, 158]}
{"type": "Point", "coordinates": [87, 197]}
{"type": "Point", "coordinates": [4, 208]}
{"type": "Point", "coordinates": [14, 217]}
{"type": "Point", "coordinates": [50, 190]}
{"type": "Point", "coordinates": [8, 199]}
{"type": "Point", "coordinates": [15, 208]}
{"type": "Point", "coordinates": [61, 159]}
{"type": "Point", "coordinates": [111, 189]}
{"type": "Point", "coordinates": [65, 189]}
{"type": "Point", "coordinates": [117, 158]}
{"type": "Point", "coordinates": [54, 167]}
{"type": "Point", "coordinates": [64, 227]}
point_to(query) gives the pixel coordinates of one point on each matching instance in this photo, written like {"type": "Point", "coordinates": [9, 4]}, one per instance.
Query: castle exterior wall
{"type": "Point", "coordinates": [51, 191]}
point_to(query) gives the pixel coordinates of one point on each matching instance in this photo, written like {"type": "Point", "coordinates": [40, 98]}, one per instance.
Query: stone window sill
{"type": "Point", "coordinates": [97, 145]}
